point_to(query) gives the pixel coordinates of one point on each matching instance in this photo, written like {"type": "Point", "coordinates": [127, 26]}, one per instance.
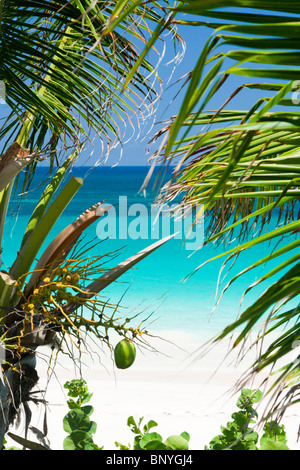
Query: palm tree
{"type": "Point", "coordinates": [243, 165]}
{"type": "Point", "coordinates": [64, 65]}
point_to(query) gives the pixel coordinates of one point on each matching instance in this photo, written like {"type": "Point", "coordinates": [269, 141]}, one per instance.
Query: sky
{"type": "Point", "coordinates": [136, 150]}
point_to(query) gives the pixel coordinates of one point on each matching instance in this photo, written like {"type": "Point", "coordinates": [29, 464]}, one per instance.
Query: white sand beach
{"type": "Point", "coordinates": [179, 393]}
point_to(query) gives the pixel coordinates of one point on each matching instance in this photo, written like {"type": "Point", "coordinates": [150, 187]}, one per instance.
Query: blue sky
{"type": "Point", "coordinates": [135, 150]}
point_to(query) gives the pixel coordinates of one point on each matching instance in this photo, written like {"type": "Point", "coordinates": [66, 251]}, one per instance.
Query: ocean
{"type": "Point", "coordinates": [154, 289]}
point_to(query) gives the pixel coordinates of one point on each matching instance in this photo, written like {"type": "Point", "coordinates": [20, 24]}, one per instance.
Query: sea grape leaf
{"type": "Point", "coordinates": [155, 445]}
{"type": "Point", "coordinates": [177, 443]}
{"type": "Point", "coordinates": [93, 428]}
{"type": "Point", "coordinates": [72, 404]}
{"type": "Point", "coordinates": [185, 435]}
{"type": "Point", "coordinates": [76, 420]}
{"type": "Point", "coordinates": [77, 439]}
{"type": "Point", "coordinates": [270, 444]}
{"type": "Point", "coordinates": [241, 420]}
{"type": "Point", "coordinates": [87, 409]}
{"type": "Point", "coordinates": [149, 425]}
{"type": "Point", "coordinates": [147, 438]}
{"type": "Point", "coordinates": [275, 431]}
{"type": "Point", "coordinates": [248, 397]}
{"type": "Point", "coordinates": [133, 426]}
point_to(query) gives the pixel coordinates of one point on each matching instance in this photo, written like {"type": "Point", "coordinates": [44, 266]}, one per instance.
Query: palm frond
{"type": "Point", "coordinates": [243, 165]}
{"type": "Point", "coordinates": [64, 63]}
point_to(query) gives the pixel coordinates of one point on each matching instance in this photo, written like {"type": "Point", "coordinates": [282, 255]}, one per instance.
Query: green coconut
{"type": "Point", "coordinates": [125, 353]}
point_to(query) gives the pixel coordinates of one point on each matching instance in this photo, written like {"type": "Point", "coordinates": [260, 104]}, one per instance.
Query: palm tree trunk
{"type": "Point", "coordinates": [20, 376]}
{"type": "Point", "coordinates": [14, 390]}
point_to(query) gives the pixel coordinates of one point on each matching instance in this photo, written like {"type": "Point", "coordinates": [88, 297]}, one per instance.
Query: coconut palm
{"type": "Point", "coordinates": [243, 165]}
{"type": "Point", "coordinates": [63, 65]}
{"type": "Point", "coordinates": [56, 300]}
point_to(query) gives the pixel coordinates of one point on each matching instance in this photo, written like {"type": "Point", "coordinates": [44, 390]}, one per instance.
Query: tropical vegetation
{"type": "Point", "coordinates": [63, 65]}
{"type": "Point", "coordinates": [74, 70]}
{"type": "Point", "coordinates": [241, 166]}
{"type": "Point", "coordinates": [238, 434]}
{"type": "Point", "coordinates": [241, 434]}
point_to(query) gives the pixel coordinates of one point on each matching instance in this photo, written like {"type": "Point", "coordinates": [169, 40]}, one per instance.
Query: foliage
{"type": "Point", "coordinates": [49, 299]}
{"type": "Point", "coordinates": [63, 65]}
{"type": "Point", "coordinates": [10, 447]}
{"type": "Point", "coordinates": [241, 166]}
{"type": "Point", "coordinates": [239, 434]}
{"type": "Point", "coordinates": [146, 440]}
{"type": "Point", "coordinates": [77, 421]}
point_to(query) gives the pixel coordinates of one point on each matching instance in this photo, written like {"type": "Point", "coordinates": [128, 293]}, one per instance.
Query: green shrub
{"type": "Point", "coordinates": [146, 440]}
{"type": "Point", "coordinates": [77, 421]}
{"type": "Point", "coordinates": [239, 435]}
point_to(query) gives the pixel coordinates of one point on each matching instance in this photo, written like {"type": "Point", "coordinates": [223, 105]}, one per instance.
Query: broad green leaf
{"type": "Point", "coordinates": [93, 428]}
{"type": "Point", "coordinates": [149, 425]}
{"type": "Point", "coordinates": [87, 409]}
{"type": "Point", "coordinates": [77, 440]}
{"type": "Point", "coordinates": [76, 419]}
{"type": "Point", "coordinates": [149, 438]}
{"type": "Point", "coordinates": [185, 435]}
{"type": "Point", "coordinates": [270, 444]}
{"type": "Point", "coordinates": [177, 443]}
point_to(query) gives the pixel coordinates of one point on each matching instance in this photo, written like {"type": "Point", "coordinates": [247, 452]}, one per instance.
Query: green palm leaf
{"type": "Point", "coordinates": [243, 166]}
{"type": "Point", "coordinates": [63, 64]}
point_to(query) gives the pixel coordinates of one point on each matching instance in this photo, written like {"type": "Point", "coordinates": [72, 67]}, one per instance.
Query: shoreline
{"type": "Point", "coordinates": [180, 395]}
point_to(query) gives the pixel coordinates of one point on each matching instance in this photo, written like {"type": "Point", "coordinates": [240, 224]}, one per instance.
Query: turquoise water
{"type": "Point", "coordinates": [155, 285]}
